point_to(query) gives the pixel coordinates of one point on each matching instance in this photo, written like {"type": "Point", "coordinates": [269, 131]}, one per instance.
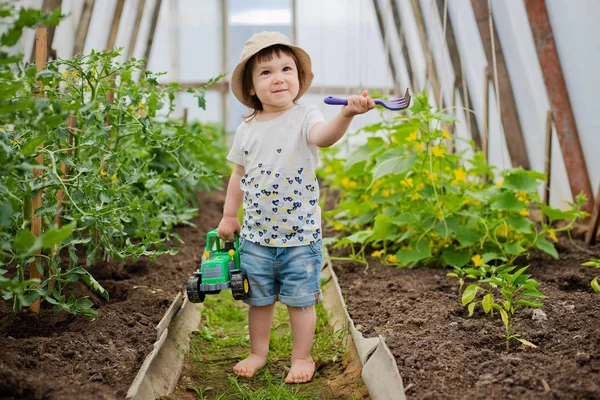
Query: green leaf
{"type": "Point", "coordinates": [359, 237]}
{"type": "Point", "coordinates": [24, 240]}
{"type": "Point", "coordinates": [29, 147]}
{"type": "Point", "coordinates": [394, 162]}
{"type": "Point", "coordinates": [507, 201]}
{"type": "Point", "coordinates": [471, 308]}
{"type": "Point", "coordinates": [526, 342]}
{"type": "Point", "coordinates": [519, 223]}
{"type": "Point", "coordinates": [456, 258]}
{"type": "Point", "coordinates": [470, 293]}
{"type": "Point", "coordinates": [519, 179]}
{"type": "Point", "coordinates": [6, 213]}
{"type": "Point", "coordinates": [56, 235]}
{"type": "Point", "coordinates": [529, 303]}
{"type": "Point", "coordinates": [533, 293]}
{"type": "Point", "coordinates": [547, 247]}
{"type": "Point", "coordinates": [487, 302]}
{"type": "Point", "coordinates": [554, 214]}
{"type": "Point", "coordinates": [505, 319]}
{"type": "Point", "coordinates": [420, 250]}
{"type": "Point", "coordinates": [595, 285]}
{"type": "Point", "coordinates": [467, 237]}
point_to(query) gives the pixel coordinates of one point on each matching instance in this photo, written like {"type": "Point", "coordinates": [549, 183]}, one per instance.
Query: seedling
{"type": "Point", "coordinates": [594, 262]}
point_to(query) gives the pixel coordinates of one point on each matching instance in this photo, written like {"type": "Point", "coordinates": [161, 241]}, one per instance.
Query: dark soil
{"type": "Point", "coordinates": [60, 356]}
{"type": "Point", "coordinates": [444, 354]}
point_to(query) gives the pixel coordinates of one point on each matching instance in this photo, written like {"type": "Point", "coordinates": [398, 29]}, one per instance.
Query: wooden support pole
{"type": "Point", "coordinates": [548, 158]}
{"type": "Point", "coordinates": [83, 27]}
{"type": "Point", "coordinates": [507, 106]}
{"type": "Point", "coordinates": [150, 40]}
{"type": "Point", "coordinates": [590, 236]}
{"type": "Point", "coordinates": [463, 92]}
{"type": "Point", "coordinates": [564, 120]}
{"type": "Point", "coordinates": [41, 56]}
{"type": "Point", "coordinates": [64, 168]}
{"type": "Point", "coordinates": [114, 26]}
{"type": "Point", "coordinates": [136, 28]}
{"type": "Point", "coordinates": [431, 71]}
{"type": "Point", "coordinates": [49, 6]}
{"type": "Point", "coordinates": [388, 52]}
{"type": "Point", "coordinates": [185, 116]}
{"type": "Point", "coordinates": [486, 113]}
{"type": "Point", "coordinates": [402, 39]}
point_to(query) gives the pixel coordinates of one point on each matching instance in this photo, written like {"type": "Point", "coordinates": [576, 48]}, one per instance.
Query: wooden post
{"type": "Point", "coordinates": [564, 120]}
{"type": "Point", "coordinates": [185, 116]}
{"type": "Point", "coordinates": [590, 237]}
{"type": "Point", "coordinates": [507, 106]}
{"type": "Point", "coordinates": [463, 92]}
{"type": "Point", "coordinates": [402, 39]}
{"type": "Point", "coordinates": [431, 71]}
{"type": "Point", "coordinates": [136, 28]}
{"type": "Point", "coordinates": [388, 51]}
{"type": "Point", "coordinates": [83, 27]}
{"type": "Point", "coordinates": [486, 113]}
{"type": "Point", "coordinates": [150, 40]}
{"type": "Point", "coordinates": [114, 26]}
{"type": "Point", "coordinates": [548, 159]}
{"type": "Point", "coordinates": [49, 6]}
{"type": "Point", "coordinates": [41, 56]}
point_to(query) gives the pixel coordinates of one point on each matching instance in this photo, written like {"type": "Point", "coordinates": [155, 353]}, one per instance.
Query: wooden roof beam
{"type": "Point", "coordinates": [564, 120]}
{"type": "Point", "coordinates": [507, 104]}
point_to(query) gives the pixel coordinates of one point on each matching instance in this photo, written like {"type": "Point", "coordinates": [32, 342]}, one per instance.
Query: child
{"type": "Point", "coordinates": [275, 152]}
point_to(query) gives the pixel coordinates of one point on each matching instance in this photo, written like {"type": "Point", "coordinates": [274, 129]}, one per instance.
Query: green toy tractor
{"type": "Point", "coordinates": [219, 269]}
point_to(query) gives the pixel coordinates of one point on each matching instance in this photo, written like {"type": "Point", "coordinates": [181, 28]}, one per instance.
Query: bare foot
{"type": "Point", "coordinates": [248, 367]}
{"type": "Point", "coordinates": [302, 371]}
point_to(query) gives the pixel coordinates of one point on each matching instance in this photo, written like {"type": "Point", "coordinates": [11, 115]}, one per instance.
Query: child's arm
{"type": "Point", "coordinates": [325, 135]}
{"type": "Point", "coordinates": [230, 224]}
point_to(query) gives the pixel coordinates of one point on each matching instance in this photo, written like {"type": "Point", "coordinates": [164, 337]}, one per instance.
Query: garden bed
{"type": "Point", "coordinates": [59, 356]}
{"type": "Point", "coordinates": [444, 354]}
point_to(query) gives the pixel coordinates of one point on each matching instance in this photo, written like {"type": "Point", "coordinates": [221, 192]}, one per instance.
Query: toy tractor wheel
{"type": "Point", "coordinates": [193, 292]}
{"type": "Point", "coordinates": [240, 286]}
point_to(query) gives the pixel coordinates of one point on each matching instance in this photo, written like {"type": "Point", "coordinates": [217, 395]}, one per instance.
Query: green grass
{"type": "Point", "coordinates": [223, 340]}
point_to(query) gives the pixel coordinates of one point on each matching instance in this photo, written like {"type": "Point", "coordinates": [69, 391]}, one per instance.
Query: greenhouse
{"type": "Point", "coordinates": [299, 199]}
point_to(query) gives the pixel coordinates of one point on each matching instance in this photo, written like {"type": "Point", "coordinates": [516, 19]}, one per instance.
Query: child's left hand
{"type": "Point", "coordinates": [358, 105]}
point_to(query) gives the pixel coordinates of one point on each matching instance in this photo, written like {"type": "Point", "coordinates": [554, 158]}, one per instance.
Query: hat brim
{"type": "Point", "coordinates": [304, 81]}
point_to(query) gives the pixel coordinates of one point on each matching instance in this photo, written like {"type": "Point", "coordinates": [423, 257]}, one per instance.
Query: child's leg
{"type": "Point", "coordinates": [259, 324]}
{"type": "Point", "coordinates": [303, 321]}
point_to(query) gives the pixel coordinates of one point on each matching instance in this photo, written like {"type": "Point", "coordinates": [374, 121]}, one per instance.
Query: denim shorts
{"type": "Point", "coordinates": [290, 275]}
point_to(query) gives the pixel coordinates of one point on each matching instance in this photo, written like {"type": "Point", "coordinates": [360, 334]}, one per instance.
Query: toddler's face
{"type": "Point", "coordinates": [275, 82]}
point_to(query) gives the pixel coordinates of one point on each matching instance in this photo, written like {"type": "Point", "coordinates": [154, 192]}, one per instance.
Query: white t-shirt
{"type": "Point", "coordinates": [281, 192]}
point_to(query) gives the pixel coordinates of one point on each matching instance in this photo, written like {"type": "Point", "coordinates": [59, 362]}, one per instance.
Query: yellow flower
{"type": "Point", "coordinates": [141, 105]}
{"type": "Point", "coordinates": [460, 174]}
{"type": "Point", "coordinates": [408, 182]}
{"type": "Point", "coordinates": [338, 227]}
{"type": "Point", "coordinates": [328, 170]}
{"type": "Point", "coordinates": [65, 74]}
{"type": "Point", "coordinates": [477, 260]}
{"type": "Point", "coordinates": [552, 235]}
{"type": "Point", "coordinates": [419, 147]}
{"type": "Point", "coordinates": [420, 186]}
{"type": "Point", "coordinates": [415, 196]}
{"type": "Point", "coordinates": [500, 182]}
{"type": "Point", "coordinates": [385, 193]}
{"type": "Point", "coordinates": [502, 230]}
{"type": "Point", "coordinates": [356, 226]}
{"type": "Point", "coordinates": [524, 212]}
{"type": "Point", "coordinates": [352, 185]}
{"type": "Point", "coordinates": [445, 134]}
{"type": "Point", "coordinates": [378, 253]}
{"type": "Point", "coordinates": [114, 177]}
{"type": "Point", "coordinates": [438, 151]}
{"type": "Point", "coordinates": [392, 258]}
{"type": "Point", "coordinates": [345, 181]}
{"type": "Point", "coordinates": [522, 196]}
{"type": "Point", "coordinates": [102, 172]}
{"type": "Point", "coordinates": [412, 137]}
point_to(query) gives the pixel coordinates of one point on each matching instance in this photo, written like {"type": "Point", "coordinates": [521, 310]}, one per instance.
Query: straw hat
{"type": "Point", "coordinates": [260, 41]}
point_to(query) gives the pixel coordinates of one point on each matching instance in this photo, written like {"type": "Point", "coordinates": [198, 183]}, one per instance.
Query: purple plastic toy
{"type": "Point", "coordinates": [394, 105]}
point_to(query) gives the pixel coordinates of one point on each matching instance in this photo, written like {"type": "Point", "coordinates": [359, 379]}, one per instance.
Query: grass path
{"type": "Point", "coordinates": [222, 341]}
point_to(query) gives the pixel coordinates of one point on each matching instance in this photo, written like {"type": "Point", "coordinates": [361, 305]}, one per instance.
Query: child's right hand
{"type": "Point", "coordinates": [227, 229]}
